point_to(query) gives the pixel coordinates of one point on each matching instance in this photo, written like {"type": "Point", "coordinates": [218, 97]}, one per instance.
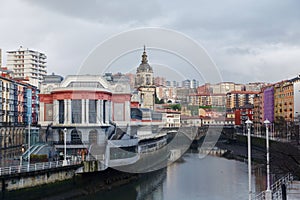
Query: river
{"type": "Point", "coordinates": [209, 178]}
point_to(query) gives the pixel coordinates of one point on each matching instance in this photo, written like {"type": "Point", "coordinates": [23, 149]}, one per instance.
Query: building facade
{"type": "Point", "coordinates": [207, 100]}
{"type": "Point", "coordinates": [27, 65]}
{"type": "Point", "coordinates": [297, 98]}
{"type": "Point", "coordinates": [254, 86]}
{"type": "Point", "coordinates": [242, 114]}
{"type": "Point", "coordinates": [18, 108]}
{"type": "Point", "coordinates": [269, 104]}
{"type": "Point", "coordinates": [159, 81]}
{"type": "Point", "coordinates": [171, 119]}
{"type": "Point", "coordinates": [258, 111]}
{"type": "Point", "coordinates": [84, 106]}
{"type": "Point", "coordinates": [236, 99]}
{"type": "Point", "coordinates": [224, 87]}
{"type": "Point", "coordinates": [166, 93]}
{"type": "Point", "coordinates": [284, 101]}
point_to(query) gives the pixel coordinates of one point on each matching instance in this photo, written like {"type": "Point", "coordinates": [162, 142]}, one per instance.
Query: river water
{"type": "Point", "coordinates": [192, 178]}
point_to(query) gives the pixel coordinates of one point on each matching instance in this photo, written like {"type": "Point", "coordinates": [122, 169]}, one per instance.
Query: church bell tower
{"type": "Point", "coordinates": [144, 83]}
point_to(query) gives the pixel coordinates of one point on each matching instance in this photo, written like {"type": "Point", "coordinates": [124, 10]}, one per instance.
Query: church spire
{"type": "Point", "coordinates": [144, 56]}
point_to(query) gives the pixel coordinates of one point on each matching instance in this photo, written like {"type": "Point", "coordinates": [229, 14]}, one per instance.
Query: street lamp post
{"type": "Point", "coordinates": [249, 122]}
{"type": "Point", "coordinates": [65, 147]}
{"type": "Point", "coordinates": [297, 122]}
{"type": "Point", "coordinates": [29, 121]}
{"type": "Point", "coordinates": [268, 191]}
{"type": "Point", "coordinates": [1, 156]}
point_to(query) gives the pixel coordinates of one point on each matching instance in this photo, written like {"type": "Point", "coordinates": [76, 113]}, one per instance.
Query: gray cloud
{"type": "Point", "coordinates": [249, 40]}
{"type": "Point", "coordinates": [103, 11]}
{"type": "Point", "coordinates": [254, 21]}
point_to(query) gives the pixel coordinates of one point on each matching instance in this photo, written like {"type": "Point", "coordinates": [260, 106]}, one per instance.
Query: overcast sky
{"type": "Point", "coordinates": [249, 40]}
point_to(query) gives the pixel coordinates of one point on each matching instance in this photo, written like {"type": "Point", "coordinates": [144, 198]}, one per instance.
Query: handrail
{"type": "Point", "coordinates": [276, 188]}
{"type": "Point", "coordinates": [34, 167]}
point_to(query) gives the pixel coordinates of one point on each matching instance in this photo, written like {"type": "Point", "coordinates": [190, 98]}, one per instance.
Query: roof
{"type": "Point", "coordinates": [242, 92]}
{"type": "Point", "coordinates": [208, 94]}
{"type": "Point", "coordinates": [144, 66]}
{"type": "Point", "coordinates": [53, 78]}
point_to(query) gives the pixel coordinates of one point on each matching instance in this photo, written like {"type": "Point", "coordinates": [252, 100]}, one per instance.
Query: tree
{"type": "Point", "coordinates": [159, 101]}
{"type": "Point", "coordinates": [176, 107]}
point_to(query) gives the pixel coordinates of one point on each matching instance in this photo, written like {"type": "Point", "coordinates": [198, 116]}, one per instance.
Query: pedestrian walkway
{"type": "Point", "coordinates": [26, 168]}
{"type": "Point", "coordinates": [293, 192]}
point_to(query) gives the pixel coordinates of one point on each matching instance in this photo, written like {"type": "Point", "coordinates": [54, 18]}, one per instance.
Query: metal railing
{"type": "Point", "coordinates": [34, 167]}
{"type": "Point", "coordinates": [276, 188]}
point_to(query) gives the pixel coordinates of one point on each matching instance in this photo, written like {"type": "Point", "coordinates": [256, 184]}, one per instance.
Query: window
{"type": "Point", "coordinates": [61, 110]}
{"type": "Point", "coordinates": [92, 111]}
{"type": "Point", "coordinates": [104, 111]}
{"type": "Point", "coordinates": [76, 137]}
{"type": "Point", "coordinates": [60, 135]}
{"type": "Point", "coordinates": [76, 108]}
{"type": "Point", "coordinates": [93, 137]}
{"type": "Point", "coordinates": [85, 84]}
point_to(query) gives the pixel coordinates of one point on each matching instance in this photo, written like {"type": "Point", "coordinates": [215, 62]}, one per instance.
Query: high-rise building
{"type": "Point", "coordinates": [194, 83]}
{"type": "Point", "coordinates": [0, 57]}
{"type": "Point", "coordinates": [175, 84]}
{"type": "Point", "coordinates": [168, 83]}
{"type": "Point", "coordinates": [171, 83]}
{"type": "Point", "coordinates": [186, 84]}
{"type": "Point", "coordinates": [27, 65]}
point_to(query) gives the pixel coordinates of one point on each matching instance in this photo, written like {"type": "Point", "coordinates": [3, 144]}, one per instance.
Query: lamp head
{"type": "Point", "coordinates": [249, 122]}
{"type": "Point", "coordinates": [267, 122]}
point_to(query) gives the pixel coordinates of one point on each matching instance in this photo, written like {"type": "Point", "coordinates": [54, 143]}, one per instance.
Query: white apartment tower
{"type": "Point", "coordinates": [27, 65]}
{"type": "Point", "coordinates": [0, 57]}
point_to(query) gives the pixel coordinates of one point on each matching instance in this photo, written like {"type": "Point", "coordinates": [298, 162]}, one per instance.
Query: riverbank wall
{"type": "Point", "coordinates": [75, 185]}
{"type": "Point", "coordinates": [284, 157]}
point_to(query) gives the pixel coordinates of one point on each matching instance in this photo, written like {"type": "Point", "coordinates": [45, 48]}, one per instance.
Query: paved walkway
{"type": "Point", "coordinates": [293, 192]}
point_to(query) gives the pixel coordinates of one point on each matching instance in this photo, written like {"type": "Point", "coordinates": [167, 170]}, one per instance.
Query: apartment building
{"type": "Point", "coordinates": [27, 65]}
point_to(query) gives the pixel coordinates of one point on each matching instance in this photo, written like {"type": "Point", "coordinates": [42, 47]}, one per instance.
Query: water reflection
{"type": "Point", "coordinates": [211, 178]}
{"type": "Point", "coordinates": [260, 178]}
{"type": "Point", "coordinates": [149, 187]}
